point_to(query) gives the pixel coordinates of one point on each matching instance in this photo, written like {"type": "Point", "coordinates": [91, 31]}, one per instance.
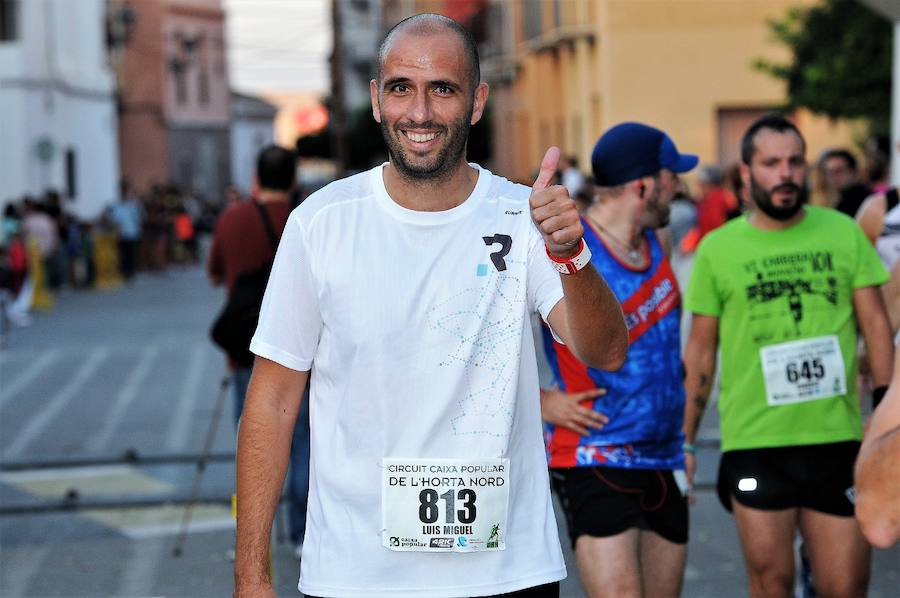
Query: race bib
{"type": "Point", "coordinates": [444, 505]}
{"type": "Point", "coordinates": [806, 370]}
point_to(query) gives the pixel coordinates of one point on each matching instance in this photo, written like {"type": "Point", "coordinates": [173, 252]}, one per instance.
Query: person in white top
{"type": "Point", "coordinates": [406, 292]}
{"type": "Point", "coordinates": [572, 179]}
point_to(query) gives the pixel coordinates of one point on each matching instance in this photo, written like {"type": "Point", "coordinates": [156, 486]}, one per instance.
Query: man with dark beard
{"type": "Point", "coordinates": [407, 291]}
{"type": "Point", "coordinates": [785, 288]}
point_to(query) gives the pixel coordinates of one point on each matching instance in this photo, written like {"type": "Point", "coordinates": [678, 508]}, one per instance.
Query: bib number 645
{"type": "Point", "coordinates": [808, 369]}
{"type": "Point", "coordinates": [429, 510]}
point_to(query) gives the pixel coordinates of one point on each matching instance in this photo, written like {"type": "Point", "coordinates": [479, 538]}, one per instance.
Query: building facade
{"type": "Point", "coordinates": [57, 104]}
{"type": "Point", "coordinates": [563, 71]}
{"type": "Point", "coordinates": [252, 128]}
{"type": "Point", "coordinates": [174, 97]}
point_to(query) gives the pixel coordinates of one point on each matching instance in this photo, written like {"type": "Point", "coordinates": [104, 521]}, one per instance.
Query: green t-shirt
{"type": "Point", "coordinates": [787, 332]}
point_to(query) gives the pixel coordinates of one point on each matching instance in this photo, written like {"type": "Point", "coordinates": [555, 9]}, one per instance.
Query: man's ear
{"type": "Point", "coordinates": [373, 93]}
{"type": "Point", "coordinates": [254, 186]}
{"type": "Point", "coordinates": [640, 187]}
{"type": "Point", "coordinates": [745, 176]}
{"type": "Point", "coordinates": [481, 96]}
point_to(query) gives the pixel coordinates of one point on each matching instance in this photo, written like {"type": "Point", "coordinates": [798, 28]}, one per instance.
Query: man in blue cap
{"type": "Point", "coordinates": [614, 439]}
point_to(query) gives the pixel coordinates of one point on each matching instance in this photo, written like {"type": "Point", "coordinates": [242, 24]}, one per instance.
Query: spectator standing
{"type": "Point", "coordinates": [241, 244]}
{"type": "Point", "coordinates": [572, 178]}
{"type": "Point", "coordinates": [841, 180]}
{"type": "Point", "coordinates": [127, 215]}
{"type": "Point", "coordinates": [38, 225]}
{"type": "Point", "coordinates": [717, 204]}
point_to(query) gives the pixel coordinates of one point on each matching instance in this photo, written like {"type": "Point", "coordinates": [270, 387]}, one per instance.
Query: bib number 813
{"type": "Point", "coordinates": [429, 510]}
{"type": "Point", "coordinates": [808, 369]}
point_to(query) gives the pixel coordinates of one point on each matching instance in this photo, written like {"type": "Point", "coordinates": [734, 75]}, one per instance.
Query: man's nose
{"type": "Point", "coordinates": [420, 108]}
{"type": "Point", "coordinates": [785, 170]}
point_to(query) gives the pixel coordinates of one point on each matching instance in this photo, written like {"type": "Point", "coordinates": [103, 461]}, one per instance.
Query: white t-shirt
{"type": "Point", "coordinates": [420, 346]}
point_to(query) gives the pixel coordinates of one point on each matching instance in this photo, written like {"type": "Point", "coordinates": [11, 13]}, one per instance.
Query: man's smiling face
{"type": "Point", "coordinates": [425, 104]}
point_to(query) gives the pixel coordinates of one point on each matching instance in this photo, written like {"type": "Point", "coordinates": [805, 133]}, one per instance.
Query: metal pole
{"type": "Point", "coordinates": [201, 465]}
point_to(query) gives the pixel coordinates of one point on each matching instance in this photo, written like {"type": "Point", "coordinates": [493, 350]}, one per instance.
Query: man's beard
{"type": "Point", "coordinates": [763, 199]}
{"type": "Point", "coordinates": [660, 212]}
{"type": "Point", "coordinates": [447, 157]}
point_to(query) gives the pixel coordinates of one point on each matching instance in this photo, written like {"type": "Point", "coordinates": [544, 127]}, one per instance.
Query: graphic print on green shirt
{"type": "Point", "coordinates": [784, 300]}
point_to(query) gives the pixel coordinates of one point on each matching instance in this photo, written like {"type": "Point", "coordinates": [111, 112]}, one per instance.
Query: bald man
{"type": "Point", "coordinates": [407, 291]}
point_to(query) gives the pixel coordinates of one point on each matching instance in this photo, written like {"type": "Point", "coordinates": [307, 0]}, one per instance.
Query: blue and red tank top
{"type": "Point", "coordinates": [644, 400]}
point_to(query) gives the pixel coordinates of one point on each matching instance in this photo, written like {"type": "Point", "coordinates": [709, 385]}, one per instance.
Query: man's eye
{"type": "Point", "coordinates": [400, 88]}
{"type": "Point", "coordinates": [444, 89]}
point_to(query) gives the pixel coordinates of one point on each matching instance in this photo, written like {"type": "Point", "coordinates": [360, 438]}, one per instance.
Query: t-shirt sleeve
{"type": "Point", "coordinates": [870, 271]}
{"type": "Point", "coordinates": [703, 295]}
{"type": "Point", "coordinates": [290, 321]}
{"type": "Point", "coordinates": [544, 287]}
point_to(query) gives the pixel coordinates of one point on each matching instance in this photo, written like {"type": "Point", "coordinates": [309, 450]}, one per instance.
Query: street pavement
{"type": "Point", "coordinates": [105, 400]}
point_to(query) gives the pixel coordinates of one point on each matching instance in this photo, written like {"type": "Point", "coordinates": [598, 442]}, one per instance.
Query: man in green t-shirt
{"type": "Point", "coordinates": [781, 292]}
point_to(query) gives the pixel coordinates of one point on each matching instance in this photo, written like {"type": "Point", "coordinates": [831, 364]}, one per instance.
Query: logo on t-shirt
{"type": "Point", "coordinates": [792, 277]}
{"type": "Point", "coordinates": [505, 242]}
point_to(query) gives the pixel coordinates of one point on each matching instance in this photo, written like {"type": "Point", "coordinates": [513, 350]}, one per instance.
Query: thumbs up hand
{"type": "Point", "coordinates": [553, 211]}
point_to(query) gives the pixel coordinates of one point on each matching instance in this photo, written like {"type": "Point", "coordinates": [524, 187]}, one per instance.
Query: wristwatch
{"type": "Point", "coordinates": [571, 265]}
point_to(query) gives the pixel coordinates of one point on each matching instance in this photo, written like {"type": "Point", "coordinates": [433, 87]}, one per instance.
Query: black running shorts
{"type": "Point", "coordinates": [605, 501]}
{"type": "Point", "coordinates": [817, 477]}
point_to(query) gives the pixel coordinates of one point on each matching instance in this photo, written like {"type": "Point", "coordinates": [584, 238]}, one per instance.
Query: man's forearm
{"type": "Point", "coordinates": [878, 488]}
{"type": "Point", "coordinates": [876, 330]}
{"type": "Point", "coordinates": [595, 320]}
{"type": "Point", "coordinates": [698, 387]}
{"type": "Point", "coordinates": [700, 367]}
{"type": "Point", "coordinates": [263, 451]}
{"type": "Point", "coordinates": [880, 353]}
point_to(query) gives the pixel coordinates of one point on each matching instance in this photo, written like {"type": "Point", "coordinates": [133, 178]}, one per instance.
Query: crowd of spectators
{"type": "Point", "coordinates": [149, 233]}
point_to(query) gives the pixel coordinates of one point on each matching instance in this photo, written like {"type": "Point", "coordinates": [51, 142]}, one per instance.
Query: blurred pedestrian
{"type": "Point", "coordinates": [38, 226]}
{"type": "Point", "coordinates": [841, 180]}
{"type": "Point", "coordinates": [879, 218]}
{"type": "Point", "coordinates": [127, 215]}
{"type": "Point", "coordinates": [781, 293]}
{"type": "Point", "coordinates": [155, 237]}
{"type": "Point", "coordinates": [185, 236]}
{"type": "Point", "coordinates": [242, 244]}
{"type": "Point", "coordinates": [717, 204]}
{"type": "Point", "coordinates": [682, 217]}
{"type": "Point", "coordinates": [406, 289]}
{"type": "Point", "coordinates": [572, 178]}
{"type": "Point", "coordinates": [614, 438]}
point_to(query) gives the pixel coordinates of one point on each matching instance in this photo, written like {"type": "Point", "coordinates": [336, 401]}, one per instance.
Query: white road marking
{"type": "Point", "coordinates": [41, 366]}
{"type": "Point", "coordinates": [46, 411]}
{"type": "Point", "coordinates": [182, 419]}
{"type": "Point", "coordinates": [127, 395]}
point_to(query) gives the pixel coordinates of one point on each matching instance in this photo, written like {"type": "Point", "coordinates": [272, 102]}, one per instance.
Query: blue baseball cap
{"type": "Point", "coordinates": [630, 151]}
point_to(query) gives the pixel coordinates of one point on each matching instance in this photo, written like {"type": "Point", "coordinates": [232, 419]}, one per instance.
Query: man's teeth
{"type": "Point", "coordinates": [421, 137]}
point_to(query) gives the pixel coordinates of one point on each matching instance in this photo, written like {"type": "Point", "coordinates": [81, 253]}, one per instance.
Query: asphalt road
{"type": "Point", "coordinates": [129, 371]}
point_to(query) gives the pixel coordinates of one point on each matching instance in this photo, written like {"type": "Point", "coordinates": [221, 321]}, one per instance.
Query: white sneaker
{"type": "Point", "coordinates": [298, 550]}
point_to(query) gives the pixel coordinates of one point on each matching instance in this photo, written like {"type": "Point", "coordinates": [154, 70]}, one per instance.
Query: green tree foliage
{"type": "Point", "coordinates": [841, 64]}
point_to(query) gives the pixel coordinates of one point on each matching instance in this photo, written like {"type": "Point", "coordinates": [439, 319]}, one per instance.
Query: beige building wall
{"type": "Point", "coordinates": [685, 66]}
